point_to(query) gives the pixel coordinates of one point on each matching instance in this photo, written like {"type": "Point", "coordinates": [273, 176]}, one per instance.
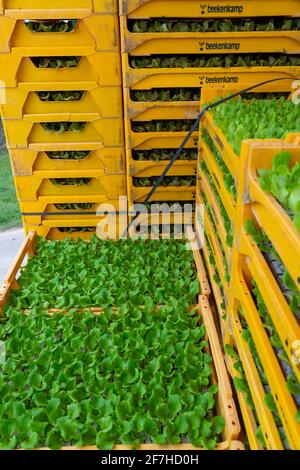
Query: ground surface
{"type": "Point", "coordinates": [10, 242]}
{"type": "Point", "coordinates": [9, 208]}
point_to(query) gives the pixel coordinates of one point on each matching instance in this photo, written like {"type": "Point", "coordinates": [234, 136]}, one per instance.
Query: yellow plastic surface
{"type": "Point", "coordinates": [42, 9]}
{"type": "Point", "coordinates": [250, 422]}
{"type": "Point", "coordinates": [36, 188]}
{"type": "Point", "coordinates": [148, 78]}
{"type": "Point", "coordinates": [205, 187]}
{"type": "Point", "coordinates": [208, 9]}
{"type": "Point", "coordinates": [217, 295]}
{"type": "Point", "coordinates": [100, 32]}
{"type": "Point", "coordinates": [155, 168]}
{"type": "Point", "coordinates": [97, 68]}
{"type": "Point", "coordinates": [227, 199]}
{"type": "Point", "coordinates": [163, 193]}
{"type": "Point", "coordinates": [143, 44]}
{"type": "Point", "coordinates": [150, 140]}
{"type": "Point", "coordinates": [159, 109]}
{"type": "Point", "coordinates": [267, 211]}
{"type": "Point", "coordinates": [110, 160]}
{"type": "Point", "coordinates": [240, 295]}
{"type": "Point", "coordinates": [50, 230]}
{"type": "Point", "coordinates": [24, 102]}
{"type": "Point", "coordinates": [215, 245]}
{"type": "Point", "coordinates": [29, 133]}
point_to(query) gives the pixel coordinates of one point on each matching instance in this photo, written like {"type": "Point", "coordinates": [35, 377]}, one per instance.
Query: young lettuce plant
{"type": "Point", "coordinates": [158, 270]}
{"type": "Point", "coordinates": [283, 182]}
{"type": "Point", "coordinates": [107, 379]}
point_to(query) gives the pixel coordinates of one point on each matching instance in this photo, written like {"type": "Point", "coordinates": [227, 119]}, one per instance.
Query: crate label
{"type": "Point", "coordinates": [224, 46]}
{"type": "Point", "coordinates": [204, 79]}
{"type": "Point", "coordinates": [217, 9]}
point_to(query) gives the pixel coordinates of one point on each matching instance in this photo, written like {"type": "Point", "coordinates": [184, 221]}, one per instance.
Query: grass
{"type": "Point", "coordinates": [9, 209]}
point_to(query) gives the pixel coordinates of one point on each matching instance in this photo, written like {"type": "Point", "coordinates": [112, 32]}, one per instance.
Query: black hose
{"type": "Point", "coordinates": [187, 138]}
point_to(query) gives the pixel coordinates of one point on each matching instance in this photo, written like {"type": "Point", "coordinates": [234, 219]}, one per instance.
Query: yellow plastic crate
{"type": "Point", "coordinates": [28, 162]}
{"type": "Point", "coordinates": [40, 212]}
{"type": "Point", "coordinates": [240, 296]}
{"type": "Point", "coordinates": [208, 9]}
{"type": "Point", "coordinates": [155, 168]}
{"type": "Point", "coordinates": [159, 109]}
{"type": "Point", "coordinates": [41, 9]}
{"type": "Point", "coordinates": [143, 44]}
{"type": "Point", "coordinates": [150, 140]}
{"type": "Point", "coordinates": [109, 228]}
{"type": "Point", "coordinates": [205, 187]}
{"type": "Point", "coordinates": [24, 102]}
{"type": "Point", "coordinates": [96, 68]}
{"type": "Point", "coordinates": [215, 244]}
{"type": "Point", "coordinates": [258, 415]}
{"type": "Point", "coordinates": [100, 32]}
{"type": "Point", "coordinates": [270, 216]}
{"type": "Point", "coordinates": [29, 134]}
{"type": "Point", "coordinates": [169, 193]}
{"type": "Point", "coordinates": [209, 95]}
{"type": "Point", "coordinates": [37, 188]}
{"type": "Point", "coordinates": [218, 296]}
{"type": "Point", "coordinates": [227, 198]}
{"type": "Point", "coordinates": [200, 77]}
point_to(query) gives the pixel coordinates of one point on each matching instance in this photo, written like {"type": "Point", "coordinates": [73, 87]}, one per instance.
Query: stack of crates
{"type": "Point", "coordinates": [62, 111]}
{"type": "Point", "coordinates": [170, 49]}
{"type": "Point", "coordinates": [263, 320]}
{"type": "Point", "coordinates": [252, 251]}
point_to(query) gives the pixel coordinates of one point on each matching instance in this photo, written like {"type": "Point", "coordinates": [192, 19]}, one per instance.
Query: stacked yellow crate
{"type": "Point", "coordinates": [169, 50]}
{"type": "Point", "coordinates": [263, 323]}
{"type": "Point", "coordinates": [255, 278]}
{"type": "Point", "coordinates": [62, 111]}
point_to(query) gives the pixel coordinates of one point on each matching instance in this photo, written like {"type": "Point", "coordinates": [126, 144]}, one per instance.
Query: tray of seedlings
{"type": "Point", "coordinates": [143, 37]}
{"type": "Point", "coordinates": [121, 345]}
{"type": "Point", "coordinates": [40, 99]}
{"type": "Point", "coordinates": [146, 9]}
{"type": "Point", "coordinates": [110, 160]}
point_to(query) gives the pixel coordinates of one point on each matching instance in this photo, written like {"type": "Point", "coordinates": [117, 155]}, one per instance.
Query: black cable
{"type": "Point", "coordinates": [187, 138]}
{"type": "Point", "coordinates": [174, 158]}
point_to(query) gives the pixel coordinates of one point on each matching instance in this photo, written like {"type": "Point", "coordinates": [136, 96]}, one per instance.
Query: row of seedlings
{"type": "Point", "coordinates": [115, 367]}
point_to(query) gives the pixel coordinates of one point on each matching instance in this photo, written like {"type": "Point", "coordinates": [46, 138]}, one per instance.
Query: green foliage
{"type": "Point", "coordinates": [60, 95]}
{"type": "Point", "coordinates": [215, 61]}
{"type": "Point", "coordinates": [80, 229]}
{"type": "Point", "coordinates": [52, 26]}
{"type": "Point", "coordinates": [211, 26]}
{"type": "Point", "coordinates": [283, 182]}
{"type": "Point", "coordinates": [282, 276]}
{"type": "Point", "coordinates": [72, 155]}
{"type": "Point", "coordinates": [213, 263]}
{"type": "Point", "coordinates": [74, 206]}
{"type": "Point", "coordinates": [211, 218]}
{"type": "Point", "coordinates": [166, 94]}
{"type": "Point", "coordinates": [167, 181]}
{"type": "Point", "coordinates": [158, 155]}
{"type": "Point", "coordinates": [228, 179]}
{"type": "Point", "coordinates": [9, 208]}
{"type": "Point", "coordinates": [141, 374]}
{"type": "Point", "coordinates": [226, 220]}
{"type": "Point", "coordinates": [73, 273]}
{"type": "Point", "coordinates": [256, 119]}
{"type": "Point", "coordinates": [71, 181]}
{"type": "Point", "coordinates": [61, 127]}
{"type": "Point", "coordinates": [167, 125]}
{"type": "Point", "coordinates": [55, 62]}
{"type": "Point", "coordinates": [292, 383]}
